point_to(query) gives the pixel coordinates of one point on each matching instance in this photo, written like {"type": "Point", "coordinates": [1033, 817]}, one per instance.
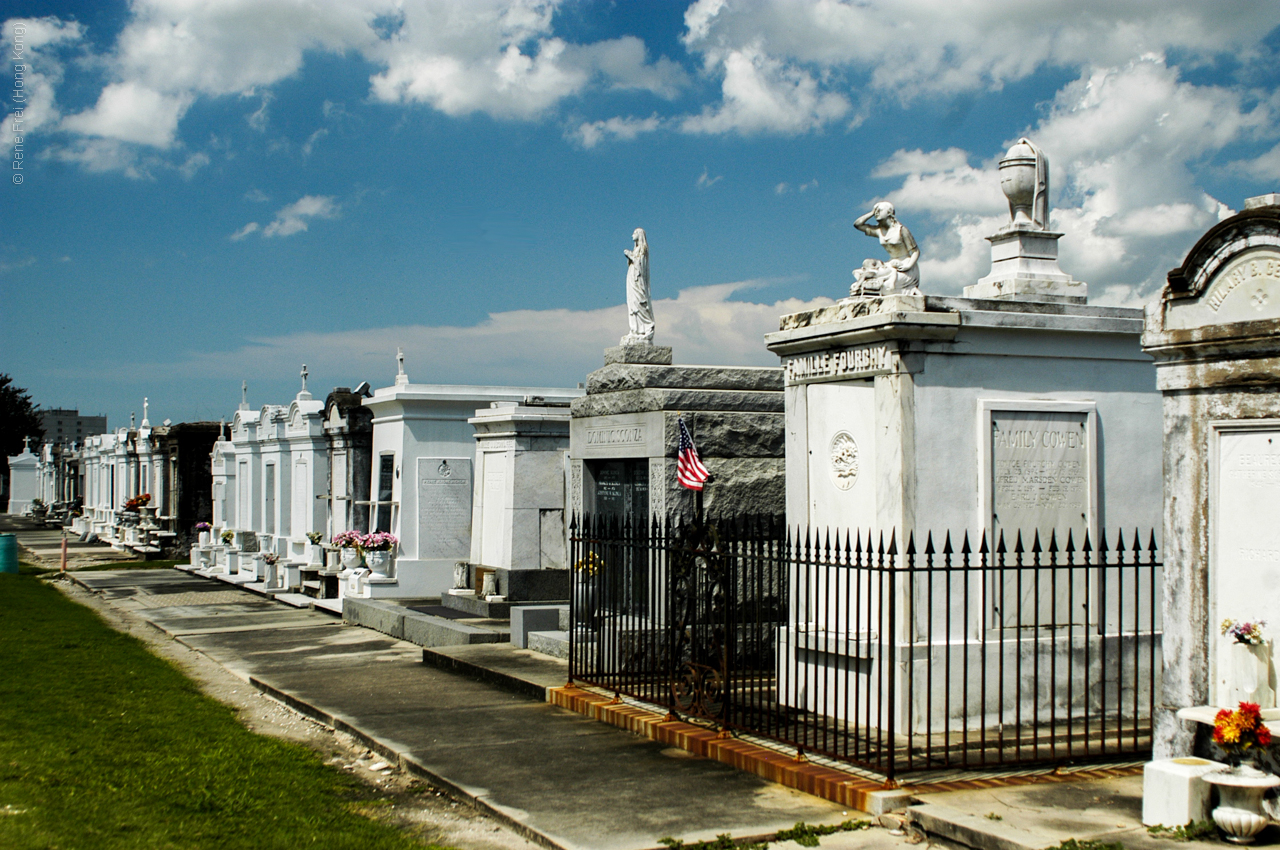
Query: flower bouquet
{"type": "Point", "coordinates": [1240, 731]}
{"type": "Point", "coordinates": [203, 526]}
{"type": "Point", "coordinates": [271, 559]}
{"type": "Point", "coordinates": [378, 541]}
{"type": "Point", "coordinates": [315, 537]}
{"type": "Point", "coordinates": [1244, 632]}
{"type": "Point", "coordinates": [228, 536]}
{"type": "Point", "coordinates": [348, 539]}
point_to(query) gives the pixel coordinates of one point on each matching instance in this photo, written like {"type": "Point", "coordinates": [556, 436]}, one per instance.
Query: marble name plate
{"type": "Point", "coordinates": [1040, 474]}
{"type": "Point", "coordinates": [1245, 537]}
{"type": "Point", "coordinates": [444, 507]}
{"type": "Point", "coordinates": [853, 362]}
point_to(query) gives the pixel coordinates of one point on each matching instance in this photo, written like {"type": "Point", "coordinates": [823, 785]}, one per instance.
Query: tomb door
{"type": "Point", "coordinates": [386, 491]}
{"type": "Point", "coordinates": [269, 499]}
{"type": "Point", "coordinates": [493, 513]}
{"type": "Point", "coordinates": [619, 491]}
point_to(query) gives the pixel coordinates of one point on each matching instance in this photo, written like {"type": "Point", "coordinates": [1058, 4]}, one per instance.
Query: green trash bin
{"type": "Point", "coordinates": [8, 553]}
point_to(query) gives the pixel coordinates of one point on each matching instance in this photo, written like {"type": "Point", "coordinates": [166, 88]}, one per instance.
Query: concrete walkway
{"type": "Point", "coordinates": [559, 778]}
{"type": "Point", "coordinates": [555, 776]}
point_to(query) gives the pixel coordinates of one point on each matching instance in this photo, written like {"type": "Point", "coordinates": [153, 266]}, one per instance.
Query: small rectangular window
{"type": "Point", "coordinates": [386, 487]}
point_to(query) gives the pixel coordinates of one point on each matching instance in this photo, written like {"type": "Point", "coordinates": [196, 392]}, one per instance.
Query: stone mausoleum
{"type": "Point", "coordinates": [1215, 337]}
{"type": "Point", "coordinates": [1017, 409]}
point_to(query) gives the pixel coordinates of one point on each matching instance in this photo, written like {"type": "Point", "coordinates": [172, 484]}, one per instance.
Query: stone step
{"type": "Point", "coordinates": [555, 644]}
{"type": "Point", "coordinates": [425, 630]}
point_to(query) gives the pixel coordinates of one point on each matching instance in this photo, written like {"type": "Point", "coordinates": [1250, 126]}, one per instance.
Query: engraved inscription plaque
{"type": "Point", "coordinates": [1040, 476]}
{"type": "Point", "coordinates": [1041, 482]}
{"type": "Point", "coordinates": [1246, 537]}
{"type": "Point", "coordinates": [444, 507]}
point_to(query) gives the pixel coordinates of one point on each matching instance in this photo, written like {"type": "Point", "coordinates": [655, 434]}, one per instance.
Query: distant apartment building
{"type": "Point", "coordinates": [63, 427]}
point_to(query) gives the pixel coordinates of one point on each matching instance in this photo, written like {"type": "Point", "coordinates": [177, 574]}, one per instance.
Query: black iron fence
{"type": "Point", "coordinates": [892, 656]}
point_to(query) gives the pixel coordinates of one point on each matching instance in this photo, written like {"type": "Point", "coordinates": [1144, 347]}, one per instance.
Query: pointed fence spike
{"type": "Point", "coordinates": [1035, 543]}
{"type": "Point", "coordinates": [1137, 540]}
{"type": "Point", "coordinates": [1000, 548]}
{"type": "Point", "coordinates": [964, 545]}
{"type": "Point", "coordinates": [1053, 541]}
{"type": "Point", "coordinates": [1071, 545]}
{"type": "Point", "coordinates": [946, 545]}
{"type": "Point", "coordinates": [893, 542]}
{"type": "Point", "coordinates": [1088, 543]}
{"type": "Point", "coordinates": [911, 543]}
{"type": "Point", "coordinates": [1151, 547]}
{"type": "Point", "coordinates": [928, 543]}
{"type": "Point", "coordinates": [1017, 546]}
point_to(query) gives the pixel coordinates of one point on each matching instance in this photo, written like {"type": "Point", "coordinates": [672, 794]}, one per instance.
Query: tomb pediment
{"type": "Point", "coordinates": [1231, 276]}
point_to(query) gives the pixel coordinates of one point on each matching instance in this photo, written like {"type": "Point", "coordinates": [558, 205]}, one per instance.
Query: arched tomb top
{"type": "Point", "coordinates": [1231, 275]}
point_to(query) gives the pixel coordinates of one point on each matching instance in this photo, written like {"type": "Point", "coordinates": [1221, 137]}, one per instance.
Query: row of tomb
{"type": "Point", "coordinates": [1018, 408]}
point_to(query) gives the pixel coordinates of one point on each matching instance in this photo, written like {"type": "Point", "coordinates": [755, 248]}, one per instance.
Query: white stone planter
{"type": "Point", "coordinates": [204, 538]}
{"type": "Point", "coordinates": [1250, 676]}
{"type": "Point", "coordinates": [350, 557]}
{"type": "Point", "coordinates": [1239, 813]}
{"type": "Point", "coordinates": [379, 563]}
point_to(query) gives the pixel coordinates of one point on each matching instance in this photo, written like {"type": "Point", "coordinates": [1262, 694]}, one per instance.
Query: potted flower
{"type": "Point", "coordinates": [1248, 676]}
{"type": "Point", "coordinates": [137, 502]}
{"type": "Point", "coordinates": [228, 537]}
{"type": "Point", "coordinates": [1238, 734]}
{"type": "Point", "coordinates": [315, 554]}
{"type": "Point", "coordinates": [348, 542]}
{"type": "Point", "coordinates": [204, 529]}
{"type": "Point", "coordinates": [585, 577]}
{"type": "Point", "coordinates": [378, 546]}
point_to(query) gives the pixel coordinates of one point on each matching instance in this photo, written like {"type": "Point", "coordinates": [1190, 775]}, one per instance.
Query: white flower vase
{"type": "Point", "coordinates": [1239, 813]}
{"type": "Point", "coordinates": [1250, 678]}
{"type": "Point", "coordinates": [379, 563]}
{"type": "Point", "coordinates": [350, 557]}
{"type": "Point", "coordinates": [315, 555]}
{"type": "Point", "coordinates": [204, 538]}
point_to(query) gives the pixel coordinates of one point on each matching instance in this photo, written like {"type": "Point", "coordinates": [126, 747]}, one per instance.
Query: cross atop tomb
{"type": "Point", "coordinates": [244, 395]}
{"type": "Point", "coordinates": [133, 420]}
{"type": "Point", "coordinates": [146, 406]}
{"type": "Point", "coordinates": [304, 377]}
{"type": "Point", "coordinates": [26, 445]}
{"type": "Point", "coordinates": [401, 378]}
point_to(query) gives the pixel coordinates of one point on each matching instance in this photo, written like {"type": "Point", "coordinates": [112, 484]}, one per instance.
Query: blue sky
{"type": "Point", "coordinates": [217, 192]}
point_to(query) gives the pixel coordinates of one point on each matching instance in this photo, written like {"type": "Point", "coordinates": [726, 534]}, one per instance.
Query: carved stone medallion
{"type": "Point", "coordinates": [844, 460]}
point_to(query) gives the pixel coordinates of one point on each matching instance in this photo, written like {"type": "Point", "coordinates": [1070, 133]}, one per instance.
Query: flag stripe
{"type": "Point", "coordinates": [689, 469]}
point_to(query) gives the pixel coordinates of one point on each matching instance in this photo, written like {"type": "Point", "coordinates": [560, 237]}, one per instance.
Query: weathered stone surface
{"type": "Point", "coordinates": [738, 486]}
{"type": "Point", "coordinates": [379, 616]}
{"type": "Point", "coordinates": [637, 401]}
{"type": "Point", "coordinates": [627, 376]}
{"type": "Point", "coordinates": [1213, 335]}
{"type": "Point", "coordinates": [426, 630]}
{"type": "Point", "coordinates": [730, 434]}
{"type": "Point", "coordinates": [533, 585]}
{"type": "Point", "coordinates": [638, 353]}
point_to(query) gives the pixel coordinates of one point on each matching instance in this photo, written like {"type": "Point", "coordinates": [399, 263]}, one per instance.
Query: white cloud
{"type": "Point", "coordinates": [761, 94]}
{"type": "Point", "coordinates": [194, 163]}
{"type": "Point", "coordinates": [1120, 141]}
{"type": "Point", "coordinates": [311, 141]}
{"type": "Point", "coordinates": [517, 347]}
{"type": "Point", "coordinates": [293, 218]}
{"type": "Point", "coordinates": [257, 196]}
{"type": "Point", "coordinates": [705, 181]}
{"type": "Point", "coordinates": [913, 47]}
{"type": "Point", "coordinates": [251, 227]}
{"type": "Point", "coordinates": [33, 43]}
{"type": "Point", "coordinates": [499, 57]}
{"type": "Point", "coordinates": [591, 133]}
{"type": "Point", "coordinates": [132, 112]}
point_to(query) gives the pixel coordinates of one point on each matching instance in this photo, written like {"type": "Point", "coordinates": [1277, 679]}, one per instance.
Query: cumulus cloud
{"type": "Point", "coordinates": [132, 112]}
{"type": "Point", "coordinates": [912, 47]}
{"type": "Point", "coordinates": [763, 94]}
{"type": "Point", "coordinates": [499, 57]}
{"type": "Point", "coordinates": [590, 133]}
{"type": "Point", "coordinates": [293, 218]}
{"type": "Point", "coordinates": [33, 44]}
{"type": "Point", "coordinates": [516, 347]}
{"type": "Point", "coordinates": [1119, 141]}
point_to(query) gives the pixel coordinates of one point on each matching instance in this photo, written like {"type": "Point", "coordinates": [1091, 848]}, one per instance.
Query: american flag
{"type": "Point", "coordinates": [689, 469]}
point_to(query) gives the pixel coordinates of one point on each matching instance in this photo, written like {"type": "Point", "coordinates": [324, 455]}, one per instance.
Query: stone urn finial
{"type": "Point", "coordinates": [1024, 179]}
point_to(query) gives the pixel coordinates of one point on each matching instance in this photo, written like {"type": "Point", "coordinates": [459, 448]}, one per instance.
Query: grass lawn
{"type": "Point", "coordinates": [105, 745]}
